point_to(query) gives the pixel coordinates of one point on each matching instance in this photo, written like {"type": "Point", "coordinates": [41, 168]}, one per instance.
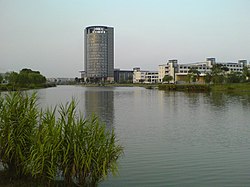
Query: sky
{"type": "Point", "coordinates": [47, 35]}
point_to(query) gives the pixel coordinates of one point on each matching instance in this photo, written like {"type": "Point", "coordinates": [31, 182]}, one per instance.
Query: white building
{"type": "Point", "coordinates": [140, 76]}
{"type": "Point", "coordinates": [202, 67]}
{"type": "Point", "coordinates": [151, 77]}
{"type": "Point", "coordinates": [170, 68]}
{"type": "Point", "coordinates": [180, 73]}
{"type": "Point", "coordinates": [233, 66]}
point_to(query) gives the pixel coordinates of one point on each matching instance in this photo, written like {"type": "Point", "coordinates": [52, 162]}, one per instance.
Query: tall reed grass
{"type": "Point", "coordinates": [38, 144]}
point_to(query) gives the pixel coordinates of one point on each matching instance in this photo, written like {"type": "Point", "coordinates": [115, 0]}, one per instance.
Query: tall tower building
{"type": "Point", "coordinates": [99, 53]}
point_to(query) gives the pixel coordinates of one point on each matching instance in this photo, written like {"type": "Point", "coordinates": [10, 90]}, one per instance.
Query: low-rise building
{"type": "Point", "coordinates": [140, 76]}
{"type": "Point", "coordinates": [233, 66]}
{"type": "Point", "coordinates": [170, 68]}
{"type": "Point", "coordinates": [123, 76]}
{"type": "Point", "coordinates": [151, 77]}
{"type": "Point", "coordinates": [205, 67]}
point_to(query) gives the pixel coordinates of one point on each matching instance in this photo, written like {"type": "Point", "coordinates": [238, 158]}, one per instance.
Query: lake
{"type": "Point", "coordinates": [169, 138]}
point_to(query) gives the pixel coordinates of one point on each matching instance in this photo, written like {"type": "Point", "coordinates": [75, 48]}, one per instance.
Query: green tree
{"type": "Point", "coordinates": [218, 73]}
{"type": "Point", "coordinates": [245, 74]}
{"type": "Point", "coordinates": [193, 75]}
{"type": "Point", "coordinates": [234, 77]}
{"type": "Point", "coordinates": [167, 78]}
{"type": "Point", "coordinates": [208, 78]}
{"type": "Point", "coordinates": [12, 77]}
{"type": "Point", "coordinates": [1, 78]}
{"type": "Point", "coordinates": [77, 80]}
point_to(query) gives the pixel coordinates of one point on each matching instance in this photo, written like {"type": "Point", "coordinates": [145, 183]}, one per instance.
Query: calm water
{"type": "Point", "coordinates": [170, 139]}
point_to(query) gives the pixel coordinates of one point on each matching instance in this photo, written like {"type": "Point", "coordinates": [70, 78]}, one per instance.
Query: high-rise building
{"type": "Point", "coordinates": [99, 53]}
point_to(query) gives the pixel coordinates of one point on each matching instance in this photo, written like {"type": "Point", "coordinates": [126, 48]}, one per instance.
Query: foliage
{"type": "Point", "coordinates": [218, 73]}
{"type": "Point", "coordinates": [208, 78]}
{"type": "Point", "coordinates": [81, 150]}
{"type": "Point", "coordinates": [235, 77]}
{"type": "Point", "coordinates": [25, 77]}
{"type": "Point", "coordinates": [42, 163]}
{"type": "Point", "coordinates": [193, 75]}
{"type": "Point", "coordinates": [89, 163]}
{"type": "Point", "coordinates": [233, 87]}
{"type": "Point", "coordinates": [12, 77]}
{"type": "Point", "coordinates": [245, 74]}
{"type": "Point", "coordinates": [18, 117]}
{"type": "Point", "coordinates": [185, 87]}
{"type": "Point", "coordinates": [167, 78]}
{"type": "Point", "coordinates": [1, 78]}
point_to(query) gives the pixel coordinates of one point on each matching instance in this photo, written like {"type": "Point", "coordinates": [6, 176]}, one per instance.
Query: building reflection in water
{"type": "Point", "coordinates": [100, 103]}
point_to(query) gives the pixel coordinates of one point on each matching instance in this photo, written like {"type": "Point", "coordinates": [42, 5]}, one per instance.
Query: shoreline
{"type": "Point", "coordinates": [8, 87]}
{"type": "Point", "coordinates": [232, 87]}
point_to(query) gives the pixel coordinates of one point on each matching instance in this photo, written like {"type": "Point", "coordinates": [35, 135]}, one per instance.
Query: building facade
{"type": "Point", "coordinates": [123, 76]}
{"type": "Point", "coordinates": [151, 77]}
{"type": "Point", "coordinates": [99, 53]}
{"type": "Point", "coordinates": [140, 76]}
{"type": "Point", "coordinates": [170, 68]}
{"type": "Point", "coordinates": [206, 67]}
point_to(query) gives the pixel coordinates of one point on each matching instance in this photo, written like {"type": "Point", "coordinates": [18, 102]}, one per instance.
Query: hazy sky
{"type": "Point", "coordinates": [47, 35]}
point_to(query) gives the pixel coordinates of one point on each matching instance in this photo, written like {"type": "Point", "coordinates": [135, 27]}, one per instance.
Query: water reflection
{"type": "Point", "coordinates": [100, 103]}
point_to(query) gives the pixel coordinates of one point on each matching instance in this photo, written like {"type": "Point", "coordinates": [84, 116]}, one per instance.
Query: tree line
{"type": "Point", "coordinates": [24, 77]}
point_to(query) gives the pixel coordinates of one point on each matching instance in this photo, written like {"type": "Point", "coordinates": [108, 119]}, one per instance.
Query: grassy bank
{"type": "Point", "coordinates": [120, 85]}
{"type": "Point", "coordinates": [10, 87]}
{"type": "Point", "coordinates": [185, 87]}
{"type": "Point", "coordinates": [233, 87]}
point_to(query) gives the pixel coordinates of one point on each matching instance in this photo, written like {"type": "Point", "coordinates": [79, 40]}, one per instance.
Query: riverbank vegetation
{"type": "Point", "coordinates": [25, 79]}
{"type": "Point", "coordinates": [233, 87]}
{"type": "Point", "coordinates": [35, 144]}
{"type": "Point", "coordinates": [185, 87]}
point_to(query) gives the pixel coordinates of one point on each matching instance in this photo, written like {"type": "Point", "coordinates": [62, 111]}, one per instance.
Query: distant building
{"type": "Point", "coordinates": [151, 77]}
{"type": "Point", "coordinates": [140, 76]}
{"type": "Point", "coordinates": [123, 76]}
{"type": "Point", "coordinates": [205, 67]}
{"type": "Point", "coordinates": [61, 80]}
{"type": "Point", "coordinates": [83, 74]}
{"type": "Point", "coordinates": [202, 67]}
{"type": "Point", "coordinates": [170, 68]}
{"type": "Point", "coordinates": [234, 66]}
{"type": "Point", "coordinates": [99, 53]}
{"type": "Point", "coordinates": [244, 62]}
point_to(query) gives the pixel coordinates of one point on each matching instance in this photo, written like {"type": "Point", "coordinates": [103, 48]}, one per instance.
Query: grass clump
{"type": "Point", "coordinates": [38, 144]}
